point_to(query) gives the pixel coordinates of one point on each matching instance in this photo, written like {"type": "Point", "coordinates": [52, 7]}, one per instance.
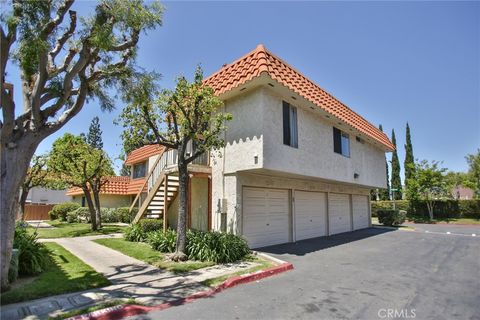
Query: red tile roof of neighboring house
{"type": "Point", "coordinates": [143, 153]}
{"type": "Point", "coordinates": [261, 61]}
{"type": "Point", "coordinates": [114, 185]}
{"type": "Point", "coordinates": [135, 185]}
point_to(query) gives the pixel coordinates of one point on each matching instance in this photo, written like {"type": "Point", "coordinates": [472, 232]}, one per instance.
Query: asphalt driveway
{"type": "Point", "coordinates": [368, 274]}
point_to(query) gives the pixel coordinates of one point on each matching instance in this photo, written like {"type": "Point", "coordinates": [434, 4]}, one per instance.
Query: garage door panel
{"type": "Point", "coordinates": [265, 216]}
{"type": "Point", "coordinates": [360, 209]}
{"type": "Point", "coordinates": [310, 215]}
{"type": "Point", "coordinates": [339, 213]}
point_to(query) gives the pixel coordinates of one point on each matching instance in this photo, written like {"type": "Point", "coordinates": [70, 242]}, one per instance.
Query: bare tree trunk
{"type": "Point", "coordinates": [96, 198]}
{"type": "Point", "coordinates": [14, 162]}
{"type": "Point", "coordinates": [430, 205]}
{"type": "Point", "coordinates": [91, 208]}
{"type": "Point", "coordinates": [182, 211]}
{"type": "Point", "coordinates": [23, 200]}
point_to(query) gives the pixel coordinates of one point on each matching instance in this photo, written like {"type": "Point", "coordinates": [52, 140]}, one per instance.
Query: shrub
{"type": "Point", "coordinates": [215, 246]}
{"type": "Point", "coordinates": [134, 233]}
{"type": "Point", "coordinates": [124, 215]}
{"type": "Point", "coordinates": [387, 205]}
{"type": "Point", "coordinates": [148, 225]}
{"type": "Point", "coordinates": [82, 214]}
{"type": "Point", "coordinates": [61, 210]}
{"type": "Point", "coordinates": [109, 215]}
{"type": "Point", "coordinates": [391, 217]}
{"type": "Point", "coordinates": [33, 256]}
{"type": "Point", "coordinates": [162, 241]}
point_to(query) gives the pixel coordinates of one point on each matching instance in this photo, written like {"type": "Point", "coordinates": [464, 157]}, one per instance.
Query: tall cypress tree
{"type": "Point", "coordinates": [94, 137]}
{"type": "Point", "coordinates": [385, 193]}
{"type": "Point", "coordinates": [409, 163]}
{"type": "Point", "coordinates": [396, 180]}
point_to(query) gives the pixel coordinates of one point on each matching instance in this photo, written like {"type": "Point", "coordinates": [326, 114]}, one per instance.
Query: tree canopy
{"type": "Point", "coordinates": [396, 180]}
{"type": "Point", "coordinates": [428, 183]}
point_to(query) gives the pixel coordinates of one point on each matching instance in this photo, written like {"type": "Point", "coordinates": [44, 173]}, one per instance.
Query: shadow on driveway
{"type": "Point", "coordinates": [304, 247]}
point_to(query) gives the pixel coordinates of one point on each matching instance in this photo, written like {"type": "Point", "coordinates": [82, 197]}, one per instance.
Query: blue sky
{"type": "Point", "coordinates": [392, 62]}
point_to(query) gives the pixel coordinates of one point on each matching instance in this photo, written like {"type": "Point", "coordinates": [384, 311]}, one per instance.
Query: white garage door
{"type": "Point", "coordinates": [339, 213]}
{"type": "Point", "coordinates": [265, 216]}
{"type": "Point", "coordinates": [360, 212]}
{"type": "Point", "coordinates": [310, 215]}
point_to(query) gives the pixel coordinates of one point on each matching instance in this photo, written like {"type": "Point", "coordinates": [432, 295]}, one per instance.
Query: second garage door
{"type": "Point", "coordinates": [310, 215]}
{"type": "Point", "coordinates": [265, 216]}
{"type": "Point", "coordinates": [339, 213]}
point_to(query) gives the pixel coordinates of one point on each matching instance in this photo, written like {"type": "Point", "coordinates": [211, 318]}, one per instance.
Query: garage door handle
{"type": "Point", "coordinates": [268, 224]}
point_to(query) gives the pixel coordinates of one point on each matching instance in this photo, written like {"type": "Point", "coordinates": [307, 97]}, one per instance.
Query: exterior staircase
{"type": "Point", "coordinates": [161, 185]}
{"type": "Point", "coordinates": [156, 207]}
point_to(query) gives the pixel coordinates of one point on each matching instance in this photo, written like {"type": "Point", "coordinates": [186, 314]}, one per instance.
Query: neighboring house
{"type": "Point", "coordinates": [463, 193]}
{"type": "Point", "coordinates": [119, 191]}
{"type": "Point", "coordinates": [39, 195]}
{"type": "Point", "coordinates": [297, 163]}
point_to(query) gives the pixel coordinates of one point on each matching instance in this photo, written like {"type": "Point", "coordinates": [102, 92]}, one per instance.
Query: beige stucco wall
{"type": "Point", "coordinates": [108, 200]}
{"type": "Point", "coordinates": [314, 156]}
{"type": "Point", "coordinates": [257, 131]}
{"type": "Point", "coordinates": [234, 186]}
{"type": "Point", "coordinates": [199, 205]}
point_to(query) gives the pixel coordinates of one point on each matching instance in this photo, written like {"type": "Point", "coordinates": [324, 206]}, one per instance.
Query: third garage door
{"type": "Point", "coordinates": [265, 216]}
{"type": "Point", "coordinates": [310, 214]}
{"type": "Point", "coordinates": [339, 213]}
{"type": "Point", "coordinates": [361, 216]}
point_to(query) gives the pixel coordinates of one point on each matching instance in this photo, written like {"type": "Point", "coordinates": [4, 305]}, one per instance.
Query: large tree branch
{"type": "Point", "coordinates": [52, 24]}
{"type": "Point", "coordinates": [158, 136]}
{"type": "Point", "coordinates": [63, 39]}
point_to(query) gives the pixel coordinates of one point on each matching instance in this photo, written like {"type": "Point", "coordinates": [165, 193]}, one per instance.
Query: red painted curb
{"type": "Point", "coordinates": [119, 312]}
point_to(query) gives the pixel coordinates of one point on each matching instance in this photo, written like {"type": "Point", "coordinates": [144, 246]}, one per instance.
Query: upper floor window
{"type": "Point", "coordinates": [341, 142]}
{"type": "Point", "coordinates": [139, 170]}
{"type": "Point", "coordinates": [290, 128]}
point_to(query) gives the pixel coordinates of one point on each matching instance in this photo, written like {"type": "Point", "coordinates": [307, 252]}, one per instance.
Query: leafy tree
{"type": "Point", "coordinates": [61, 63]}
{"type": "Point", "coordinates": [428, 183]}
{"type": "Point", "coordinates": [473, 161]}
{"type": "Point", "coordinates": [409, 164]}
{"type": "Point", "coordinates": [94, 137]}
{"type": "Point", "coordinates": [173, 119]}
{"type": "Point", "coordinates": [80, 165]}
{"type": "Point", "coordinates": [396, 180]}
{"type": "Point", "coordinates": [459, 179]}
{"type": "Point", "coordinates": [38, 175]}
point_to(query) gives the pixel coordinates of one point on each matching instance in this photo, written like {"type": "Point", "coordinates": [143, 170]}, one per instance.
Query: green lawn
{"type": "Point", "coordinates": [66, 273]}
{"type": "Point", "coordinates": [144, 252]}
{"type": "Point", "coordinates": [70, 230]}
{"type": "Point", "coordinates": [448, 221]}
{"type": "Point", "coordinates": [263, 264]}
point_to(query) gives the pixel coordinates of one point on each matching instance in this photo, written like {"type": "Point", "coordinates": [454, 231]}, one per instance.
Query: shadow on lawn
{"type": "Point", "coordinates": [64, 273]}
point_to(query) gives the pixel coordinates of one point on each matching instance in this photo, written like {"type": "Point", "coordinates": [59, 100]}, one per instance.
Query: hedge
{"type": "Point", "coordinates": [443, 209]}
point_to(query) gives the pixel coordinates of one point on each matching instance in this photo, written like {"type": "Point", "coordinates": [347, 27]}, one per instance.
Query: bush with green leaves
{"type": "Point", "coordinates": [139, 231]}
{"type": "Point", "coordinates": [149, 225]}
{"type": "Point", "coordinates": [391, 217]}
{"type": "Point", "coordinates": [124, 214]}
{"type": "Point", "coordinates": [33, 256]}
{"type": "Point", "coordinates": [134, 233]}
{"type": "Point", "coordinates": [215, 246]}
{"type": "Point", "coordinates": [162, 241]}
{"type": "Point", "coordinates": [109, 215]}
{"type": "Point", "coordinates": [61, 210]}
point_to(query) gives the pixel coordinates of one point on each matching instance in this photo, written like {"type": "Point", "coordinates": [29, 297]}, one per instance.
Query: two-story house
{"type": "Point", "coordinates": [297, 163]}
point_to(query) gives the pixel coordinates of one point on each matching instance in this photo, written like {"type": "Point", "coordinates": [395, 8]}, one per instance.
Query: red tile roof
{"type": "Point", "coordinates": [261, 61]}
{"type": "Point", "coordinates": [115, 185]}
{"type": "Point", "coordinates": [143, 153]}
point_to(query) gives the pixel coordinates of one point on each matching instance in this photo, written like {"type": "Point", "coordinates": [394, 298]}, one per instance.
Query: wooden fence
{"type": "Point", "coordinates": [37, 211]}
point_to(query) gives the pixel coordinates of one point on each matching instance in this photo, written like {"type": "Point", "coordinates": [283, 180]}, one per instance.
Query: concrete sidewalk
{"type": "Point", "coordinates": [131, 278]}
